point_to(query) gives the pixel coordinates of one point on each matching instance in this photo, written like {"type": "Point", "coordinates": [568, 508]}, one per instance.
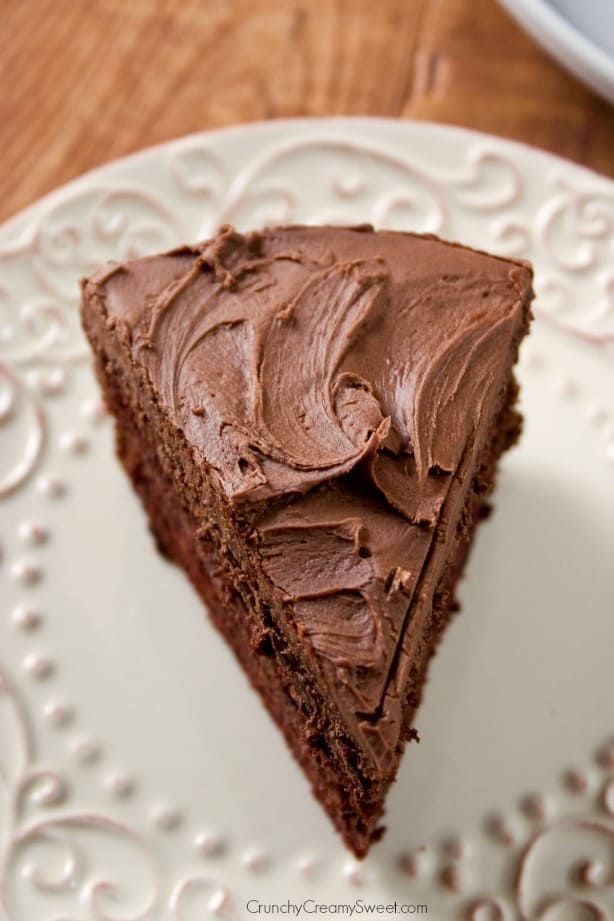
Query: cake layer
{"type": "Point", "coordinates": [329, 758]}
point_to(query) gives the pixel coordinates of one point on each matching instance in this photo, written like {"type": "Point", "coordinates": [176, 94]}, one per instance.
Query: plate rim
{"type": "Point", "coordinates": [572, 49]}
{"type": "Point", "coordinates": [11, 223]}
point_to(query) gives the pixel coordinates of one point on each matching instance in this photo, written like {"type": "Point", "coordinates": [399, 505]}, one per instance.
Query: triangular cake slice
{"type": "Point", "coordinates": [312, 417]}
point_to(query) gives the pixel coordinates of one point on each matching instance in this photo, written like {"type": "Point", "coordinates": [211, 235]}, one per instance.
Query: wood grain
{"type": "Point", "coordinates": [83, 82]}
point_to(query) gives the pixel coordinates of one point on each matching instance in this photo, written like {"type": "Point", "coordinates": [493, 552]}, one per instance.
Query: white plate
{"type": "Point", "coordinates": [140, 776]}
{"type": "Point", "coordinates": [578, 33]}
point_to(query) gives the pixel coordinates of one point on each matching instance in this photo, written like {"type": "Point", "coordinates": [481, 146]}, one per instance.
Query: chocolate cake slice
{"type": "Point", "coordinates": [312, 417]}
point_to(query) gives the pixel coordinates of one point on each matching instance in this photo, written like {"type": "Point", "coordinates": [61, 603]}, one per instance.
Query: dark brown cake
{"type": "Point", "coordinates": [312, 417]}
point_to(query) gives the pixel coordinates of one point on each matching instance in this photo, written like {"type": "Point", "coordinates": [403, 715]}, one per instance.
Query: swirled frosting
{"type": "Point", "coordinates": [334, 380]}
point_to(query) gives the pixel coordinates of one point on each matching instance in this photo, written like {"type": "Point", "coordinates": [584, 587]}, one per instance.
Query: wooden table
{"type": "Point", "coordinates": [82, 82]}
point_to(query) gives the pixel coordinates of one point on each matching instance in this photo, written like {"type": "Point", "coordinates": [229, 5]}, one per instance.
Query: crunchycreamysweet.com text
{"type": "Point", "coordinates": [346, 909]}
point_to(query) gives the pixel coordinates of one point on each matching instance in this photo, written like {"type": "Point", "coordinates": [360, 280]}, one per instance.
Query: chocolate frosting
{"type": "Point", "coordinates": [334, 380]}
